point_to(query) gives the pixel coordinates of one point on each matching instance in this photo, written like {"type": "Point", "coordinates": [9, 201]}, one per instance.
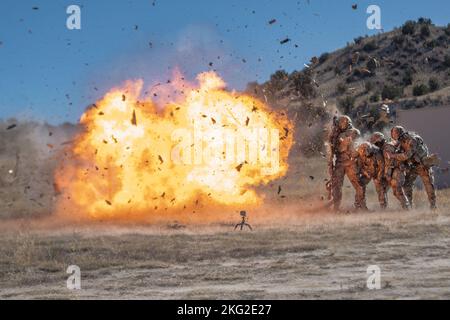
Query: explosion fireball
{"type": "Point", "coordinates": [207, 149]}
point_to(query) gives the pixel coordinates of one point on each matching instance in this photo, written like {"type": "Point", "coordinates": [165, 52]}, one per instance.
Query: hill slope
{"type": "Point", "coordinates": [408, 67]}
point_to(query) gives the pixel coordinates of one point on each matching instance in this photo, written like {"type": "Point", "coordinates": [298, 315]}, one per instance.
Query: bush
{"type": "Point", "coordinates": [424, 21]}
{"type": "Point", "coordinates": [391, 92]}
{"type": "Point", "coordinates": [375, 97]}
{"type": "Point", "coordinates": [370, 46]}
{"type": "Point", "coordinates": [337, 71]}
{"type": "Point", "coordinates": [433, 83]}
{"type": "Point", "coordinates": [346, 104]}
{"type": "Point", "coordinates": [447, 30]}
{"type": "Point", "coordinates": [279, 75]}
{"type": "Point", "coordinates": [358, 40]}
{"type": "Point", "coordinates": [399, 39]}
{"type": "Point", "coordinates": [324, 57]}
{"type": "Point", "coordinates": [277, 81]}
{"type": "Point", "coordinates": [368, 86]}
{"type": "Point", "coordinates": [447, 61]}
{"type": "Point", "coordinates": [408, 78]}
{"type": "Point", "coordinates": [409, 27]}
{"type": "Point", "coordinates": [425, 31]}
{"type": "Point", "coordinates": [431, 44]}
{"type": "Point", "coordinates": [304, 84]}
{"type": "Point", "coordinates": [420, 90]}
{"type": "Point", "coordinates": [341, 88]}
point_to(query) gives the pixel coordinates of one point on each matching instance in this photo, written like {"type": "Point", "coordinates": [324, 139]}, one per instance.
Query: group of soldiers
{"type": "Point", "coordinates": [391, 163]}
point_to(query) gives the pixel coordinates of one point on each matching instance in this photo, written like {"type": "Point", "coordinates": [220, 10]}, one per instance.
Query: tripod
{"type": "Point", "coordinates": [243, 221]}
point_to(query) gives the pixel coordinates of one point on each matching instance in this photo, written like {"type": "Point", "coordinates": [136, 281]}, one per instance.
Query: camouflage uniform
{"type": "Point", "coordinates": [371, 163]}
{"type": "Point", "coordinates": [346, 164]}
{"type": "Point", "coordinates": [394, 171]}
{"type": "Point", "coordinates": [413, 152]}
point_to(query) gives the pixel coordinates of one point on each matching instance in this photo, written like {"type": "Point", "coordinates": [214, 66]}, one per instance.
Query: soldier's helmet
{"type": "Point", "coordinates": [377, 138]}
{"type": "Point", "coordinates": [397, 132]}
{"type": "Point", "coordinates": [364, 150]}
{"type": "Point", "coordinates": [355, 133]}
{"type": "Point", "coordinates": [344, 122]}
{"type": "Point", "coordinates": [384, 108]}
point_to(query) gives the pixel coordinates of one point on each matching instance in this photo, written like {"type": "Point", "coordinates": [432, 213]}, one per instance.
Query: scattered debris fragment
{"type": "Point", "coordinates": [133, 118]}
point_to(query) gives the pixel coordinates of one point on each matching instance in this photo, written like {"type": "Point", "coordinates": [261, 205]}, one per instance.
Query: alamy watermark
{"type": "Point", "coordinates": [73, 21]}
{"type": "Point", "coordinates": [374, 20]}
{"type": "Point", "coordinates": [373, 277]}
{"type": "Point", "coordinates": [224, 147]}
{"type": "Point", "coordinates": [74, 280]}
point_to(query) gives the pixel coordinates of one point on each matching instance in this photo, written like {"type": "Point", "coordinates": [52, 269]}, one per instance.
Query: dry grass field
{"type": "Point", "coordinates": [295, 251]}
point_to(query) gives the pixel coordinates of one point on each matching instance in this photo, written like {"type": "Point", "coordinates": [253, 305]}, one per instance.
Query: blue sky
{"type": "Point", "coordinates": [50, 73]}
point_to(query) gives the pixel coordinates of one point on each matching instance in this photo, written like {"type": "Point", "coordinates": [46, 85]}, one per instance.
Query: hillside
{"type": "Point", "coordinates": [408, 67]}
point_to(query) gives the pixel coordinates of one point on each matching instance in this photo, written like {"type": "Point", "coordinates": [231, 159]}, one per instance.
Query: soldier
{"type": "Point", "coordinates": [343, 162]}
{"type": "Point", "coordinates": [394, 171]}
{"type": "Point", "coordinates": [383, 118]}
{"type": "Point", "coordinates": [415, 154]}
{"type": "Point", "coordinates": [371, 163]}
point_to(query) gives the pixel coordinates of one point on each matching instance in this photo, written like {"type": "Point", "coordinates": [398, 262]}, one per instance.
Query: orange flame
{"type": "Point", "coordinates": [210, 149]}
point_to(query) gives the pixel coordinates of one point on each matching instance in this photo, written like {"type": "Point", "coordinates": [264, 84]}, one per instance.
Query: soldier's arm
{"type": "Point", "coordinates": [407, 154]}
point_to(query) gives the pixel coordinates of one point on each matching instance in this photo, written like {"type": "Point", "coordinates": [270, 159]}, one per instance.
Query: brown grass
{"type": "Point", "coordinates": [294, 252]}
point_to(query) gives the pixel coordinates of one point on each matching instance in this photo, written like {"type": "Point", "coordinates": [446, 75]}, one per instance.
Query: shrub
{"type": "Point", "coordinates": [279, 75]}
{"type": "Point", "coordinates": [324, 57]}
{"type": "Point", "coordinates": [337, 71]}
{"type": "Point", "coordinates": [391, 92]}
{"type": "Point", "coordinates": [368, 86]}
{"type": "Point", "coordinates": [370, 46]}
{"type": "Point", "coordinates": [304, 84]}
{"type": "Point", "coordinates": [409, 27]}
{"type": "Point", "coordinates": [431, 44]}
{"type": "Point", "coordinates": [425, 31]}
{"type": "Point", "coordinates": [399, 39]}
{"type": "Point", "coordinates": [447, 30]}
{"type": "Point", "coordinates": [447, 61]}
{"type": "Point", "coordinates": [433, 83]}
{"type": "Point", "coordinates": [341, 88]}
{"type": "Point", "coordinates": [375, 97]}
{"type": "Point", "coordinates": [346, 104]}
{"type": "Point", "coordinates": [358, 40]}
{"type": "Point", "coordinates": [277, 81]}
{"type": "Point", "coordinates": [420, 90]}
{"type": "Point", "coordinates": [408, 78]}
{"type": "Point", "coordinates": [424, 21]}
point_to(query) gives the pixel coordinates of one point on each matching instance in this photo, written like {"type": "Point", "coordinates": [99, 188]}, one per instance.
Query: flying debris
{"type": "Point", "coordinates": [133, 118]}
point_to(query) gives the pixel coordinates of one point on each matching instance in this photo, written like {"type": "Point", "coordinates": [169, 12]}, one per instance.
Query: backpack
{"type": "Point", "coordinates": [422, 149]}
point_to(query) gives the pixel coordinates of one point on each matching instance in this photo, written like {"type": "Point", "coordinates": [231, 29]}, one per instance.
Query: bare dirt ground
{"type": "Point", "coordinates": [293, 252]}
